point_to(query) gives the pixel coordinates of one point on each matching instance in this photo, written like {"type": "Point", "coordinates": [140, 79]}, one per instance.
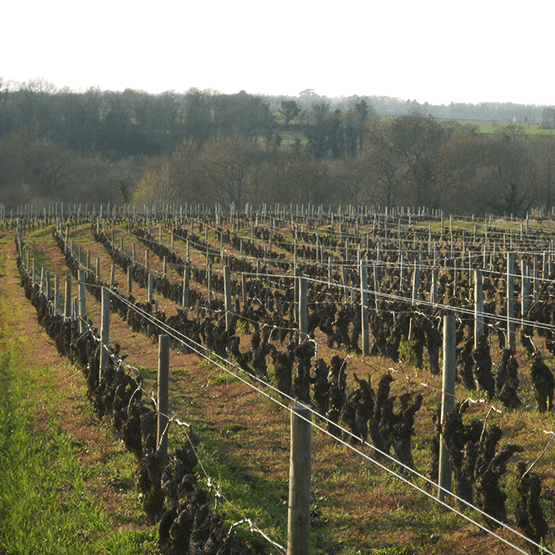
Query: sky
{"type": "Point", "coordinates": [428, 50]}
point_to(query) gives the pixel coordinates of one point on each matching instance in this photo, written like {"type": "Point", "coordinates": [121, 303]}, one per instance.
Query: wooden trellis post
{"type": "Point", "coordinates": [478, 306]}
{"type": "Point", "coordinates": [43, 279]}
{"type": "Point", "coordinates": [364, 308]}
{"type": "Point", "coordinates": [415, 282]}
{"type": "Point", "coordinates": [150, 288]}
{"type": "Point", "coordinates": [296, 289]}
{"type": "Point", "coordinates": [433, 293]}
{"type": "Point", "coordinates": [186, 280]}
{"type": "Point", "coordinates": [448, 399]}
{"type": "Point", "coordinates": [511, 334]}
{"type": "Point", "coordinates": [209, 281]}
{"type": "Point", "coordinates": [376, 286]}
{"type": "Point", "coordinates": [56, 293]}
{"type": "Point", "coordinates": [82, 302]}
{"type": "Point", "coordinates": [129, 280]}
{"type": "Point", "coordinates": [525, 286]}
{"type": "Point", "coordinates": [227, 295]}
{"type": "Point", "coordinates": [303, 308]}
{"type": "Point", "coordinates": [536, 282]}
{"type": "Point", "coordinates": [163, 394]}
{"type": "Point", "coordinates": [300, 471]}
{"type": "Point", "coordinates": [67, 300]}
{"type": "Point", "coordinates": [104, 330]}
{"type": "Point", "coordinates": [244, 288]}
{"type": "Point", "coordinates": [345, 281]}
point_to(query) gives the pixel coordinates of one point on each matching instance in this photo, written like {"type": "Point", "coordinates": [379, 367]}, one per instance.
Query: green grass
{"type": "Point", "coordinates": [220, 380]}
{"type": "Point", "coordinates": [406, 352]}
{"type": "Point", "coordinates": [484, 126]}
{"type": "Point", "coordinates": [208, 362]}
{"type": "Point", "coordinates": [179, 372]}
{"type": "Point", "coordinates": [262, 501]}
{"type": "Point", "coordinates": [45, 504]}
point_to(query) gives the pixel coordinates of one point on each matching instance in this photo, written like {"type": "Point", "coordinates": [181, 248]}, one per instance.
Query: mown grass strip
{"type": "Point", "coordinates": [44, 506]}
{"type": "Point", "coordinates": [44, 503]}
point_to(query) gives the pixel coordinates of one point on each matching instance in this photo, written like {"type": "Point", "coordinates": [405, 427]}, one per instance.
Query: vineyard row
{"type": "Point", "coordinates": [212, 328]}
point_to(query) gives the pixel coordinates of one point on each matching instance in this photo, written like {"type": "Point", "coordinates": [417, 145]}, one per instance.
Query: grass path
{"type": "Point", "coordinates": [49, 501]}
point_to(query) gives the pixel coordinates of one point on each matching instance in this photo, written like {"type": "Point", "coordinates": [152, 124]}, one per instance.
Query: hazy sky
{"type": "Point", "coordinates": [428, 50]}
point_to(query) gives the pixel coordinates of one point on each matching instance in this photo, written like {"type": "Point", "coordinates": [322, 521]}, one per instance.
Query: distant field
{"type": "Point", "coordinates": [290, 135]}
{"type": "Point", "coordinates": [492, 126]}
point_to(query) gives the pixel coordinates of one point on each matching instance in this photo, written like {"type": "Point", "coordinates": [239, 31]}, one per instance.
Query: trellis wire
{"type": "Point", "coordinates": [223, 365]}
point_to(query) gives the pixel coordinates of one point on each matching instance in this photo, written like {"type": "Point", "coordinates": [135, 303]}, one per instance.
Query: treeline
{"type": "Point", "coordinates": [136, 123]}
{"type": "Point", "coordinates": [411, 160]}
{"type": "Point", "coordinates": [206, 147]}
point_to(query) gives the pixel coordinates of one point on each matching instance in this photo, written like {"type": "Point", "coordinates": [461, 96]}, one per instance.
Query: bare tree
{"type": "Point", "coordinates": [225, 163]}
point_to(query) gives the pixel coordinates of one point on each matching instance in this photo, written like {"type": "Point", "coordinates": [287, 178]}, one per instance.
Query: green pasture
{"type": "Point", "coordinates": [496, 126]}
{"type": "Point", "coordinates": [289, 136]}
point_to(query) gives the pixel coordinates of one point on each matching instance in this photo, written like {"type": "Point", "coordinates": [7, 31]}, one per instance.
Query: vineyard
{"type": "Point", "coordinates": [346, 313]}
